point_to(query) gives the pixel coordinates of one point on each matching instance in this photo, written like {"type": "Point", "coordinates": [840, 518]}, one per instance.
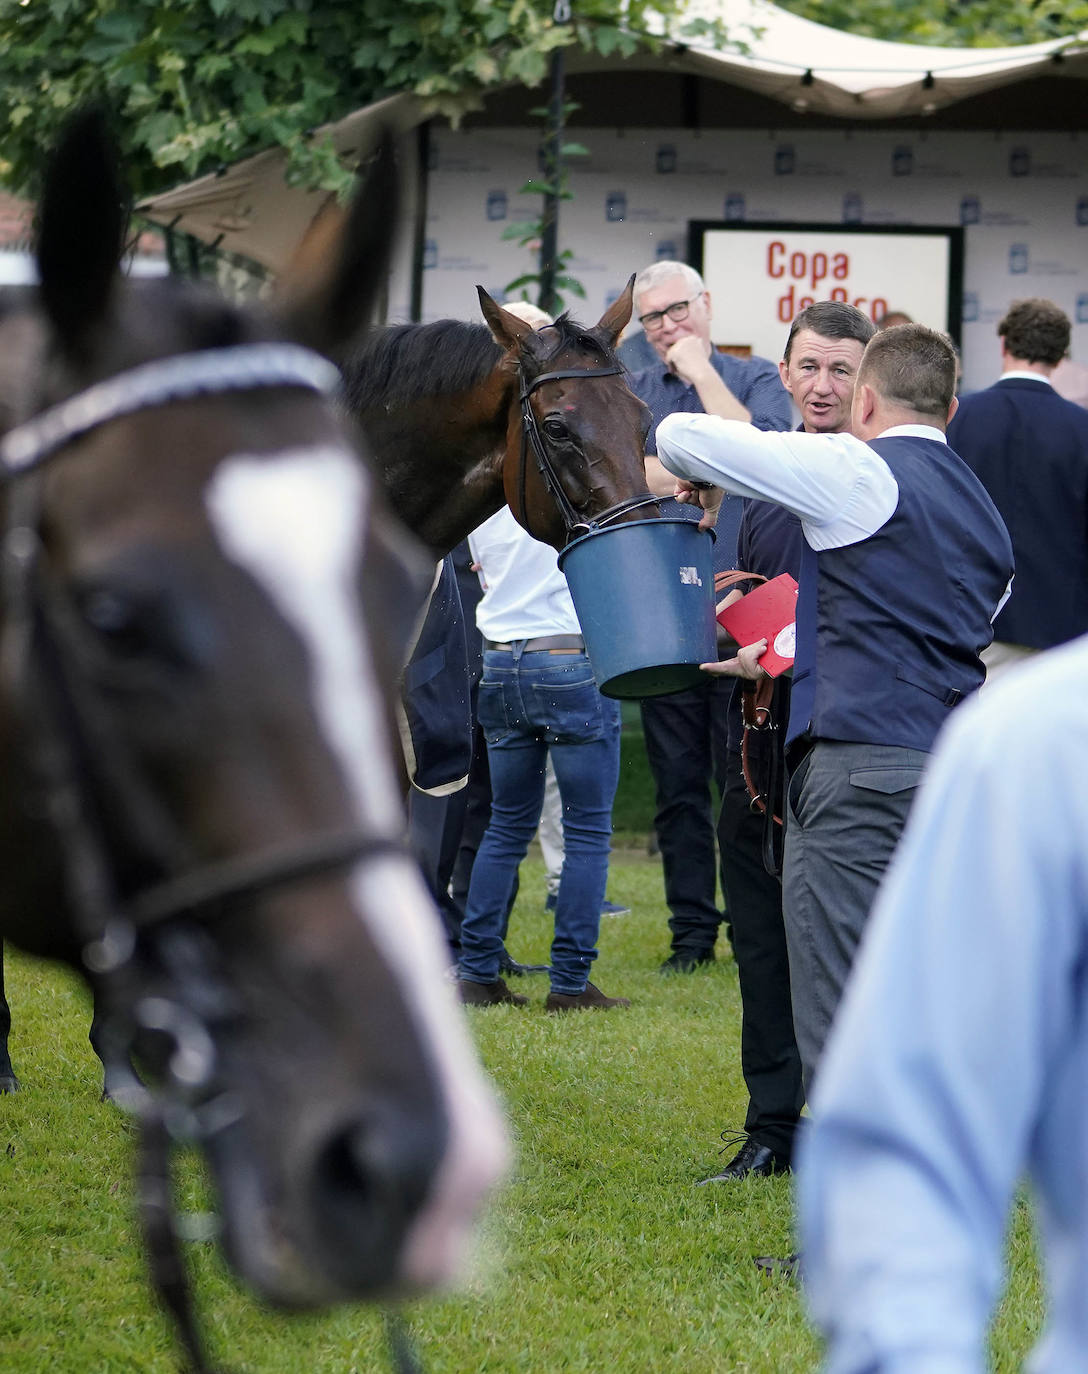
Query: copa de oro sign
{"type": "Point", "coordinates": [760, 276]}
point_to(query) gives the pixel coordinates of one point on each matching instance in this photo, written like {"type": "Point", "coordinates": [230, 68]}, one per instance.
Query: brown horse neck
{"type": "Point", "coordinates": [441, 459]}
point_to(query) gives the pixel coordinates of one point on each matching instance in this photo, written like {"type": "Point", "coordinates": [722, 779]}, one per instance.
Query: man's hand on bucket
{"type": "Point", "coordinates": [702, 494]}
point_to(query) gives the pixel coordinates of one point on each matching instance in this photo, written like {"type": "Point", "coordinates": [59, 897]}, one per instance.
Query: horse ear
{"type": "Point", "coordinates": [508, 329]}
{"type": "Point", "coordinates": [329, 289]}
{"type": "Point", "coordinates": [82, 217]}
{"type": "Point", "coordinates": [615, 318]}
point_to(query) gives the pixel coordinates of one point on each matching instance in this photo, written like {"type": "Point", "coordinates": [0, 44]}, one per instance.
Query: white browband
{"type": "Point", "coordinates": [209, 372]}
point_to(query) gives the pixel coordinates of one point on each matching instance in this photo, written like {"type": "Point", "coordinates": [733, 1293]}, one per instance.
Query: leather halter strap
{"type": "Point", "coordinates": [213, 371]}
{"type": "Point", "coordinates": [530, 434]}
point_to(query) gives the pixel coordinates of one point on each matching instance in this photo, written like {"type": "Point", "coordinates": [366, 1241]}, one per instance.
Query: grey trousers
{"type": "Point", "coordinates": [847, 805]}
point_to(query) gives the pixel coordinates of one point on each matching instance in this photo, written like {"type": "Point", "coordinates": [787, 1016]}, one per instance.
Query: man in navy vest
{"type": "Point", "coordinates": [905, 563]}
{"type": "Point", "coordinates": [1029, 449]}
{"type": "Point", "coordinates": [686, 731]}
{"type": "Point", "coordinates": [822, 356]}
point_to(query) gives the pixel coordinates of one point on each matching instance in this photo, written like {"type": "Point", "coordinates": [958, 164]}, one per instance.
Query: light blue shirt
{"type": "Point", "coordinates": [959, 1058]}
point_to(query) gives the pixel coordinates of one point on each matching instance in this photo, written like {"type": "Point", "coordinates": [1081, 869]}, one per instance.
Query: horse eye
{"type": "Point", "coordinates": [117, 621]}
{"type": "Point", "coordinates": [555, 429]}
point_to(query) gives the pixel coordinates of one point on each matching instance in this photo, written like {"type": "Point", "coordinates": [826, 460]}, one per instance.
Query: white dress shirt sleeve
{"type": "Point", "coordinates": [841, 489]}
{"type": "Point", "coordinates": [962, 1030]}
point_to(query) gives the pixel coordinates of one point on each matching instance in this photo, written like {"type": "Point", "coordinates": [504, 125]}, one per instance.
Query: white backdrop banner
{"type": "Point", "coordinates": [1021, 198]}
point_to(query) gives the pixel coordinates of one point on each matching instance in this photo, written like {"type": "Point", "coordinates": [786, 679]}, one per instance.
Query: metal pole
{"type": "Point", "coordinates": [419, 218]}
{"type": "Point", "coordinates": [553, 169]}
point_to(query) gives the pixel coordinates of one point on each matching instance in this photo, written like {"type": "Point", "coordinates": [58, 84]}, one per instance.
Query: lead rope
{"type": "Point", "coordinates": [169, 1275]}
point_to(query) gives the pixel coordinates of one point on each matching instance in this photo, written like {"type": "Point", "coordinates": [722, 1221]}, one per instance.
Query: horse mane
{"type": "Point", "coordinates": [403, 363]}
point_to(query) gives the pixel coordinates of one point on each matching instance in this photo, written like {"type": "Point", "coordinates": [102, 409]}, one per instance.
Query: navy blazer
{"type": "Point", "coordinates": [1029, 448]}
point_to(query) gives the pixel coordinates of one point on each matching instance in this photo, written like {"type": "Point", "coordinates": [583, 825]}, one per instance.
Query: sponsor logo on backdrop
{"type": "Point", "coordinates": [814, 275]}
{"type": "Point", "coordinates": [852, 208]}
{"type": "Point", "coordinates": [666, 250]}
{"type": "Point", "coordinates": [970, 210]}
{"type": "Point", "coordinates": [1003, 219]}
{"type": "Point", "coordinates": [734, 206]}
{"type": "Point", "coordinates": [433, 259]}
{"type": "Point", "coordinates": [1023, 164]}
{"type": "Point", "coordinates": [787, 163]}
{"type": "Point", "coordinates": [1082, 210]}
{"type": "Point", "coordinates": [1054, 267]}
{"type": "Point", "coordinates": [1082, 308]}
{"type": "Point", "coordinates": [924, 162]}
{"type": "Point", "coordinates": [496, 204]}
{"type": "Point", "coordinates": [1018, 258]}
{"type": "Point", "coordinates": [619, 210]}
{"type": "Point", "coordinates": [665, 162]}
{"type": "Point", "coordinates": [970, 307]}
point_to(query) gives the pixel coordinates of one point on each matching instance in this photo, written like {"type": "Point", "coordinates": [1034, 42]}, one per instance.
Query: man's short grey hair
{"type": "Point", "coordinates": [531, 314]}
{"type": "Point", "coordinates": [659, 272]}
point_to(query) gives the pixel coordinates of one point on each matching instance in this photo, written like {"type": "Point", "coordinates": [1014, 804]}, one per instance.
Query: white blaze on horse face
{"type": "Point", "coordinates": [477, 1153]}
{"type": "Point", "coordinates": [296, 522]}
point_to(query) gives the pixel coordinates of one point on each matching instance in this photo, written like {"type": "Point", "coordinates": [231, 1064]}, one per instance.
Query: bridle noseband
{"type": "Point", "coordinates": [194, 1103]}
{"type": "Point", "coordinates": [530, 434]}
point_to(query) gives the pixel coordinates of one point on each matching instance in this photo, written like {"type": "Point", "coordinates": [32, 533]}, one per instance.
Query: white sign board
{"type": "Point", "coordinates": [759, 277]}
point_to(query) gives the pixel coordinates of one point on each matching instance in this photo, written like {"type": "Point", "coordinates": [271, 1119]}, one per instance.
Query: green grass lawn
{"type": "Point", "coordinates": [600, 1254]}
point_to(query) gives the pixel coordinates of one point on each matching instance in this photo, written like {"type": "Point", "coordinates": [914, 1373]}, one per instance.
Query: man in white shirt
{"type": "Point", "coordinates": [904, 564]}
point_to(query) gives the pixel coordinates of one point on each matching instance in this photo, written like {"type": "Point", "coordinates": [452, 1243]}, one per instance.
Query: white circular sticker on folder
{"type": "Point", "coordinates": [785, 641]}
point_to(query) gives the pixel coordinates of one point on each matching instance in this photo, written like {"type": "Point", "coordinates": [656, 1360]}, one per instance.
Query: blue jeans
{"type": "Point", "coordinates": [530, 705]}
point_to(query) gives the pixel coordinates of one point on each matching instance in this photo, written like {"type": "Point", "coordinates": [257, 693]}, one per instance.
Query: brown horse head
{"type": "Point", "coordinates": [575, 446]}
{"type": "Point", "coordinates": [207, 605]}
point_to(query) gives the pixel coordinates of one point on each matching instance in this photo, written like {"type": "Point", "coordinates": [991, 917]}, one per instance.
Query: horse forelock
{"type": "Point", "coordinates": [543, 348]}
{"type": "Point", "coordinates": [401, 364]}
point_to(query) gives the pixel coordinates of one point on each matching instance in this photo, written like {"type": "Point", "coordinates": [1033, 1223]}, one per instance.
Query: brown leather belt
{"type": "Point", "coordinates": [549, 644]}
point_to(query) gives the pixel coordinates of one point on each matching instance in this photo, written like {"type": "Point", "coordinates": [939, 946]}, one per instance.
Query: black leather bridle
{"type": "Point", "coordinates": [191, 1102]}
{"type": "Point", "coordinates": [531, 435]}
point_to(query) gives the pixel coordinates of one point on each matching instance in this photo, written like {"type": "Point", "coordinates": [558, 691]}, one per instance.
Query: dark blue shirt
{"type": "Point", "coordinates": [756, 385]}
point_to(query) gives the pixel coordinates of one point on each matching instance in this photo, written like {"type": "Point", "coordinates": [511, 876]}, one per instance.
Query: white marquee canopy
{"type": "Point", "coordinates": [814, 70]}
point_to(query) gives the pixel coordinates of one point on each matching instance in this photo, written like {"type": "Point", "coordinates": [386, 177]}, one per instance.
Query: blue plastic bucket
{"type": "Point", "coordinates": [644, 593]}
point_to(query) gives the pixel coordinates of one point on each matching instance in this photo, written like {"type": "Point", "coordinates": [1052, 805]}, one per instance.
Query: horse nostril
{"type": "Point", "coordinates": [370, 1181]}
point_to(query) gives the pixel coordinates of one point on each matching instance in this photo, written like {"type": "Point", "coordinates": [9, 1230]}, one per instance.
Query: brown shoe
{"type": "Point", "coordinates": [489, 994]}
{"type": "Point", "coordinates": [580, 1001]}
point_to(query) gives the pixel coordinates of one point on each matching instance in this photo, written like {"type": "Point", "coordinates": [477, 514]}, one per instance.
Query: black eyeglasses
{"type": "Point", "coordinates": [677, 311]}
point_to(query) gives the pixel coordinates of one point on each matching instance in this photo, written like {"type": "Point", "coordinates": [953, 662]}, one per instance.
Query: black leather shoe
{"type": "Point", "coordinates": [489, 994]}
{"type": "Point", "coordinates": [511, 967]}
{"type": "Point", "coordinates": [751, 1160]}
{"type": "Point", "coordinates": [780, 1266]}
{"type": "Point", "coordinates": [686, 961]}
{"type": "Point", "coordinates": [590, 998]}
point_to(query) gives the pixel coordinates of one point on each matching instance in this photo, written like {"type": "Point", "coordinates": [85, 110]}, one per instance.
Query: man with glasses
{"type": "Point", "coordinates": [686, 732]}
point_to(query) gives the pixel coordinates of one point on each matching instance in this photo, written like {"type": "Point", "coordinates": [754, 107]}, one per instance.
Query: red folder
{"type": "Point", "coordinates": [767, 613]}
